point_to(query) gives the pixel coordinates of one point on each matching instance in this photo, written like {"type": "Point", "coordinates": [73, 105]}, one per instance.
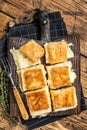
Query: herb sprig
{"type": "Point", "coordinates": [4, 92]}
{"type": "Point", "coordinates": [4, 98]}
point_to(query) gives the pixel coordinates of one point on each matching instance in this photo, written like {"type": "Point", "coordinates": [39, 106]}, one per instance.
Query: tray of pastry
{"type": "Point", "coordinates": [47, 76]}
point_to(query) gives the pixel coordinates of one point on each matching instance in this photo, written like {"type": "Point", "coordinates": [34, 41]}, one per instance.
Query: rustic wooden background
{"type": "Point", "coordinates": [74, 13]}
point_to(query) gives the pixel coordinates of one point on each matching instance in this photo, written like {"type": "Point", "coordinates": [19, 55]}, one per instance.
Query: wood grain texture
{"type": "Point", "coordinates": [6, 124]}
{"type": "Point", "coordinates": [10, 10]}
{"type": "Point", "coordinates": [3, 21]}
{"type": "Point", "coordinates": [74, 14]}
{"type": "Point", "coordinates": [83, 47]}
{"type": "Point", "coordinates": [84, 75]}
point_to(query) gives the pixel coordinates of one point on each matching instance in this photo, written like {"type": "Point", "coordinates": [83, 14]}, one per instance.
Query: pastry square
{"type": "Point", "coordinates": [39, 102]}
{"type": "Point", "coordinates": [32, 50]}
{"type": "Point", "coordinates": [60, 75]}
{"type": "Point", "coordinates": [64, 99]}
{"type": "Point", "coordinates": [57, 52]}
{"type": "Point", "coordinates": [32, 78]}
{"type": "Point", "coordinates": [21, 61]}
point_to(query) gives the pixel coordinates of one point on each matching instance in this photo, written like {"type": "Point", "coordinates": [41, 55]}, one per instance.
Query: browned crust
{"type": "Point", "coordinates": [63, 98]}
{"type": "Point", "coordinates": [34, 79]}
{"type": "Point", "coordinates": [57, 52]}
{"type": "Point", "coordinates": [60, 77]}
{"type": "Point", "coordinates": [32, 50]}
{"type": "Point", "coordinates": [37, 101]}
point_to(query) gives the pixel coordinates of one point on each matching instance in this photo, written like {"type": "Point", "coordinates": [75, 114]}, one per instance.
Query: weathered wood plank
{"type": "Point", "coordinates": [2, 27]}
{"type": "Point", "coordinates": [83, 77]}
{"type": "Point", "coordinates": [83, 47]}
{"type": "Point", "coordinates": [75, 24]}
{"type": "Point", "coordinates": [81, 5]}
{"type": "Point", "coordinates": [64, 5]}
{"type": "Point", "coordinates": [69, 123]}
{"type": "Point", "coordinates": [37, 4]}
{"type": "Point", "coordinates": [75, 122]}
{"type": "Point", "coordinates": [75, 17]}
{"type": "Point", "coordinates": [53, 126]}
{"type": "Point", "coordinates": [10, 10]}
{"type": "Point", "coordinates": [4, 19]}
{"type": "Point", "coordinates": [7, 124]}
{"type": "Point", "coordinates": [20, 4]}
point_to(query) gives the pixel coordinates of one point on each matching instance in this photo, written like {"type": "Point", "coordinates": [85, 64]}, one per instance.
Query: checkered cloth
{"type": "Point", "coordinates": [32, 31]}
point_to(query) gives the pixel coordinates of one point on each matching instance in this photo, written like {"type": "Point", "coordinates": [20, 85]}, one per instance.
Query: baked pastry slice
{"type": "Point", "coordinates": [38, 102]}
{"type": "Point", "coordinates": [21, 61]}
{"type": "Point", "coordinates": [64, 99]}
{"type": "Point", "coordinates": [57, 52]}
{"type": "Point", "coordinates": [32, 50]}
{"type": "Point", "coordinates": [32, 78]}
{"type": "Point", "coordinates": [60, 75]}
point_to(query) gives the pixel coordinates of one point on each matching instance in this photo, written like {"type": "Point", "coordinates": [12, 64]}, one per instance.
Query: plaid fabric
{"type": "Point", "coordinates": [32, 31]}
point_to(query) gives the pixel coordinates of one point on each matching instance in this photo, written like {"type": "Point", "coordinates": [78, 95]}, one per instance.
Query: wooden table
{"type": "Point", "coordinates": [74, 13]}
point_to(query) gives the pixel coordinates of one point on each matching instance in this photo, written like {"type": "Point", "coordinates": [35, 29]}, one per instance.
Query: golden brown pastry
{"type": "Point", "coordinates": [57, 52]}
{"type": "Point", "coordinates": [32, 78]}
{"type": "Point", "coordinates": [32, 50]}
{"type": "Point", "coordinates": [64, 99]}
{"type": "Point", "coordinates": [60, 75]}
{"type": "Point", "coordinates": [38, 102]}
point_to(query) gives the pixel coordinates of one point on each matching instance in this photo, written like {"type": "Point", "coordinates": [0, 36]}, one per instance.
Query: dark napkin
{"type": "Point", "coordinates": [32, 31]}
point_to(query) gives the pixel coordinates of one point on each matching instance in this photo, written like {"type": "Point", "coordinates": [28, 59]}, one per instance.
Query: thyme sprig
{"type": "Point", "coordinates": [4, 92]}
{"type": "Point", "coordinates": [4, 99]}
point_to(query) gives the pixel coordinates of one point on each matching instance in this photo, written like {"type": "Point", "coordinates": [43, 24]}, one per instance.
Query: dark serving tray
{"type": "Point", "coordinates": [37, 122]}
